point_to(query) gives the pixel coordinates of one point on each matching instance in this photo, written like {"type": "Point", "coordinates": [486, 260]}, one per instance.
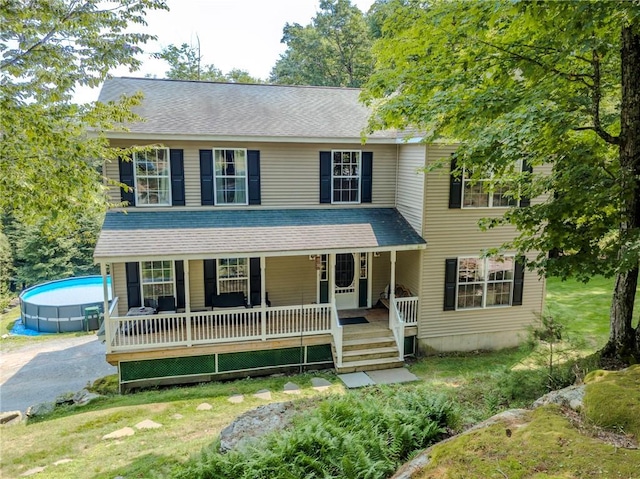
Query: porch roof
{"type": "Point", "coordinates": [210, 233]}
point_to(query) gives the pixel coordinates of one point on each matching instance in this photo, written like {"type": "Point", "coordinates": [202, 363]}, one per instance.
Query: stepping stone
{"type": "Point", "coordinates": [147, 424]}
{"type": "Point", "coordinates": [291, 388]}
{"type": "Point", "coordinates": [263, 394]}
{"type": "Point", "coordinates": [320, 384]}
{"type": "Point", "coordinates": [236, 398]}
{"type": "Point", "coordinates": [62, 461]}
{"type": "Point", "coordinates": [204, 407]}
{"type": "Point", "coordinates": [392, 376]}
{"type": "Point", "coordinates": [125, 431]}
{"type": "Point", "coordinates": [32, 471]}
{"type": "Point", "coordinates": [177, 416]}
{"type": "Point", "coordinates": [355, 380]}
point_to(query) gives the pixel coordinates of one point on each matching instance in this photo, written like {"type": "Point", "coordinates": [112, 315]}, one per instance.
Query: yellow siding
{"type": "Point", "coordinates": [196, 284]}
{"type": "Point", "coordinates": [119, 281]}
{"type": "Point", "coordinates": [408, 270]}
{"type": "Point", "coordinates": [289, 172]}
{"type": "Point", "coordinates": [411, 184]}
{"type": "Point", "coordinates": [452, 233]}
{"type": "Point", "coordinates": [381, 276]}
{"type": "Point", "coordinates": [291, 280]}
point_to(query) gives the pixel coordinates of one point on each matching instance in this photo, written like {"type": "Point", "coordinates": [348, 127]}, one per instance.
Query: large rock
{"type": "Point", "coordinates": [40, 409]}
{"type": "Point", "coordinates": [10, 417]}
{"type": "Point", "coordinates": [571, 397]}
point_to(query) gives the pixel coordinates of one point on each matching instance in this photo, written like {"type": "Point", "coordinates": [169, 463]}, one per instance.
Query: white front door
{"type": "Point", "coordinates": [346, 286]}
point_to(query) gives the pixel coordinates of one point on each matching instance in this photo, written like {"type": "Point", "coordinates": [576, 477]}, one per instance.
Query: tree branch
{"type": "Point", "coordinates": [595, 107]}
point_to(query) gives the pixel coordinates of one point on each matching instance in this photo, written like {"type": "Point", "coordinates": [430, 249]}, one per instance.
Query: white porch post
{"type": "Point", "coordinates": [187, 300]}
{"type": "Point", "coordinates": [263, 298]}
{"type": "Point", "coordinates": [392, 284]}
{"type": "Point", "coordinates": [332, 279]}
{"type": "Point", "coordinates": [106, 320]}
{"type": "Point", "coordinates": [369, 279]}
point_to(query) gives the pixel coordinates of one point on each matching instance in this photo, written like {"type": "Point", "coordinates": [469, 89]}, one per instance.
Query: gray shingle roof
{"type": "Point", "coordinates": [209, 109]}
{"type": "Point", "coordinates": [211, 232]}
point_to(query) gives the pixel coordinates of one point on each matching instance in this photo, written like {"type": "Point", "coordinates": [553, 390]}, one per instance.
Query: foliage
{"type": "Point", "coordinates": [364, 434]}
{"type": "Point", "coordinates": [6, 269]}
{"type": "Point", "coordinates": [333, 50]}
{"type": "Point", "coordinates": [50, 166]}
{"type": "Point", "coordinates": [538, 83]}
{"type": "Point", "coordinates": [185, 64]}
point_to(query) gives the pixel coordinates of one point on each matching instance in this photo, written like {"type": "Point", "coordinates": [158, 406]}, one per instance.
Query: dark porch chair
{"type": "Point", "coordinates": [166, 304]}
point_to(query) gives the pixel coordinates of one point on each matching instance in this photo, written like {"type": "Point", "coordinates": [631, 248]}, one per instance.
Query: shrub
{"type": "Point", "coordinates": [365, 434]}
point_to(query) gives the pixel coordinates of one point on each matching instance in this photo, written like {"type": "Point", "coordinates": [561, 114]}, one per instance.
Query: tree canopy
{"type": "Point", "coordinates": [546, 83]}
{"type": "Point", "coordinates": [52, 151]}
{"type": "Point", "coordinates": [333, 50]}
{"type": "Point", "coordinates": [185, 63]}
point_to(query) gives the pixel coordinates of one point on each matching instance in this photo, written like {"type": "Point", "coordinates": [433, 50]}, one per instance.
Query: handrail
{"type": "Point", "coordinates": [336, 332]}
{"type": "Point", "coordinates": [112, 331]}
{"type": "Point", "coordinates": [396, 324]}
{"type": "Point", "coordinates": [408, 307]}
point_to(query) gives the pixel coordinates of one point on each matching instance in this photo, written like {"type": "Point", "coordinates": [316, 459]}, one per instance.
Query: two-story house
{"type": "Point", "coordinates": [259, 232]}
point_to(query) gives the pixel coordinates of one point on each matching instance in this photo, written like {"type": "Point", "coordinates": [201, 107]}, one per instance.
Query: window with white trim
{"type": "Point", "coordinates": [230, 176]}
{"type": "Point", "coordinates": [485, 282]}
{"type": "Point", "coordinates": [486, 192]}
{"type": "Point", "coordinates": [152, 177]}
{"type": "Point", "coordinates": [157, 279]}
{"type": "Point", "coordinates": [233, 275]}
{"type": "Point", "coordinates": [345, 176]}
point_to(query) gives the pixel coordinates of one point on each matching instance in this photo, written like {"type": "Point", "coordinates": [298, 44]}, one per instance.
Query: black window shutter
{"type": "Point", "coordinates": [254, 281]}
{"type": "Point", "coordinates": [127, 178]}
{"type": "Point", "coordinates": [325, 177]}
{"type": "Point", "coordinates": [206, 177]}
{"type": "Point", "coordinates": [176, 158]}
{"type": "Point", "coordinates": [455, 186]}
{"type": "Point", "coordinates": [526, 167]}
{"type": "Point", "coordinates": [253, 170]}
{"type": "Point", "coordinates": [367, 177]}
{"type": "Point", "coordinates": [133, 285]}
{"type": "Point", "coordinates": [180, 300]}
{"type": "Point", "coordinates": [210, 281]}
{"type": "Point", "coordinates": [363, 293]}
{"type": "Point", "coordinates": [518, 282]}
{"type": "Point", "coordinates": [450, 280]}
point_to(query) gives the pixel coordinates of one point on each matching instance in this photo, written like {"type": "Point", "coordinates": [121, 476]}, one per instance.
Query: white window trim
{"type": "Point", "coordinates": [135, 181]}
{"type": "Point", "coordinates": [518, 167]}
{"type": "Point", "coordinates": [173, 279]}
{"type": "Point", "coordinates": [485, 282]}
{"type": "Point", "coordinates": [247, 278]}
{"type": "Point", "coordinates": [333, 177]}
{"type": "Point", "coordinates": [215, 177]}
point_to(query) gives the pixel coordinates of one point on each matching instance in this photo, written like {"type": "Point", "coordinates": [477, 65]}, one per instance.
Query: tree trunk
{"type": "Point", "coordinates": [624, 340]}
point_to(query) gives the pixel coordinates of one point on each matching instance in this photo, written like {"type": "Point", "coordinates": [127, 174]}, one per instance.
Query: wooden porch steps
{"type": "Point", "coordinates": [367, 347]}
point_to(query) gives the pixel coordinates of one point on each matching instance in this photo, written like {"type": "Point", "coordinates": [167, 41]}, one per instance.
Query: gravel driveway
{"type": "Point", "coordinates": [42, 371]}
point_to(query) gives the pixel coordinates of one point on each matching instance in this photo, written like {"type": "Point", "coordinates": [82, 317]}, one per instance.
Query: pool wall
{"type": "Point", "coordinates": [52, 318]}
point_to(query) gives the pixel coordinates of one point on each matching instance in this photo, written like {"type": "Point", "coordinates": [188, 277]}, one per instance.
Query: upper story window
{"type": "Point", "coordinates": [230, 176]}
{"type": "Point", "coordinates": [152, 177]}
{"type": "Point", "coordinates": [233, 275]}
{"type": "Point", "coordinates": [345, 176]}
{"type": "Point", "coordinates": [485, 282]}
{"type": "Point", "coordinates": [485, 192]}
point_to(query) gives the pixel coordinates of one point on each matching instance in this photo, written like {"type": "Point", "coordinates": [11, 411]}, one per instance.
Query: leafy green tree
{"type": "Point", "coordinates": [185, 63]}
{"type": "Point", "coordinates": [333, 50]}
{"type": "Point", "coordinates": [50, 166]}
{"type": "Point", "coordinates": [6, 269]}
{"type": "Point", "coordinates": [546, 83]}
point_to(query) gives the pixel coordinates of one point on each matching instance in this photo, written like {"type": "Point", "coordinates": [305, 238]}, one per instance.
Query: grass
{"type": "Point", "coordinates": [480, 383]}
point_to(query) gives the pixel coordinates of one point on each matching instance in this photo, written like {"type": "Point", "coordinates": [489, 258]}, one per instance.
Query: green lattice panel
{"type": "Point", "coordinates": [319, 354]}
{"type": "Point", "coordinates": [162, 368]}
{"type": "Point", "coordinates": [258, 359]}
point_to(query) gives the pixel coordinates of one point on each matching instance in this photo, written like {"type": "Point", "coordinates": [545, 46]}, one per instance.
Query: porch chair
{"type": "Point", "coordinates": [166, 304]}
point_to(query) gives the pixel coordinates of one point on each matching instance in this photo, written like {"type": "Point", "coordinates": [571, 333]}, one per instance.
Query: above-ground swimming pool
{"type": "Point", "coordinates": [59, 306]}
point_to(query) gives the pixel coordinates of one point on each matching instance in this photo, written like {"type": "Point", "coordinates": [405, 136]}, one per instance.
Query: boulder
{"type": "Point", "coordinates": [571, 397]}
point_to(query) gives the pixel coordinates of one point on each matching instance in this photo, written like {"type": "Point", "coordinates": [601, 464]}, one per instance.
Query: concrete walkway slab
{"type": "Point", "coordinates": [356, 380]}
{"type": "Point", "coordinates": [392, 376]}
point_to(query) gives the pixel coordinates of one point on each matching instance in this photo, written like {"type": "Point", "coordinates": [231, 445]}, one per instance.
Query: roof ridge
{"type": "Point", "coordinates": [320, 87]}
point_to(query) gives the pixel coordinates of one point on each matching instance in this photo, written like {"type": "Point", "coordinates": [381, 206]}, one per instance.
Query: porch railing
{"type": "Point", "coordinates": [396, 325]}
{"type": "Point", "coordinates": [336, 332]}
{"type": "Point", "coordinates": [408, 309]}
{"type": "Point", "coordinates": [219, 326]}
